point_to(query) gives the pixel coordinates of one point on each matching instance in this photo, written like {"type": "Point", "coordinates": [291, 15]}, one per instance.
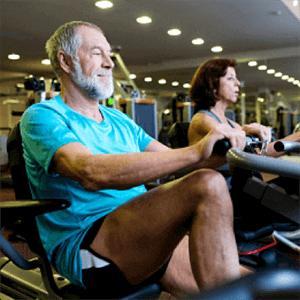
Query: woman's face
{"type": "Point", "coordinates": [229, 86]}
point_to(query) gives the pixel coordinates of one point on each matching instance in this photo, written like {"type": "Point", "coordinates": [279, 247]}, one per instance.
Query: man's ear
{"type": "Point", "coordinates": [65, 61]}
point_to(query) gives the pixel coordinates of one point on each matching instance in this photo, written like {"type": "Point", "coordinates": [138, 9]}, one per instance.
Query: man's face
{"type": "Point", "coordinates": [92, 72]}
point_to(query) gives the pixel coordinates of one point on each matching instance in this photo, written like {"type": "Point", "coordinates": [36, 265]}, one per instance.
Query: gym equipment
{"type": "Point", "coordinates": [270, 284]}
{"type": "Point", "coordinates": [22, 279]}
{"type": "Point", "coordinates": [143, 112]}
{"type": "Point", "coordinates": [34, 279]}
{"type": "Point", "coordinates": [29, 285]}
{"type": "Point", "coordinates": [5, 180]}
{"type": "Point", "coordinates": [33, 84]}
{"type": "Point", "coordinates": [186, 111]}
{"type": "Point", "coordinates": [257, 196]}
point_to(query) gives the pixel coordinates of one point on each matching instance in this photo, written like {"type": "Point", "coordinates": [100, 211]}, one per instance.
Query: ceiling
{"type": "Point", "coordinates": [265, 30]}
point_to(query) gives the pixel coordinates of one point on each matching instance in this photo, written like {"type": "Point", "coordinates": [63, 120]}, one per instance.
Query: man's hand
{"type": "Point", "coordinates": [237, 139]}
{"type": "Point", "coordinates": [263, 132]}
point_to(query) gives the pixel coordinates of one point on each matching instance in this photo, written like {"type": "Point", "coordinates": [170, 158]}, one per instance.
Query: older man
{"type": "Point", "coordinates": [99, 159]}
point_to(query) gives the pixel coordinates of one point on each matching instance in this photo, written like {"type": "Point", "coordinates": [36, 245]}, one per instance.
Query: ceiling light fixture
{"type": "Point", "coordinates": [252, 63]}
{"type": "Point", "coordinates": [175, 83]}
{"type": "Point", "coordinates": [295, 3]}
{"type": "Point", "coordinates": [271, 71]}
{"type": "Point", "coordinates": [13, 56]}
{"type": "Point", "coordinates": [198, 41]}
{"type": "Point", "coordinates": [296, 82]}
{"type": "Point", "coordinates": [46, 62]}
{"type": "Point", "coordinates": [186, 85]}
{"type": "Point", "coordinates": [144, 20]}
{"type": "Point", "coordinates": [217, 49]}
{"type": "Point", "coordinates": [174, 32]}
{"type": "Point", "coordinates": [148, 79]}
{"type": "Point", "coordinates": [291, 79]}
{"type": "Point", "coordinates": [285, 77]}
{"type": "Point", "coordinates": [262, 68]}
{"type": "Point", "coordinates": [162, 81]}
{"type": "Point", "coordinates": [104, 4]}
{"type": "Point", "coordinates": [132, 76]}
{"type": "Point", "coordinates": [278, 74]}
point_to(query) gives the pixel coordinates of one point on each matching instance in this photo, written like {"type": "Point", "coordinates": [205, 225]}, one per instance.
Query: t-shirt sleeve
{"type": "Point", "coordinates": [144, 138]}
{"type": "Point", "coordinates": [43, 131]}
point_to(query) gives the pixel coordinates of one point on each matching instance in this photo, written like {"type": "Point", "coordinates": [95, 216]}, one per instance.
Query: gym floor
{"type": "Point", "coordinates": [7, 194]}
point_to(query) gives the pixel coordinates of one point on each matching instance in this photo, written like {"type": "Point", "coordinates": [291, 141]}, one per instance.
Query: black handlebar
{"type": "Point", "coordinates": [287, 146]}
{"type": "Point", "coordinates": [222, 146]}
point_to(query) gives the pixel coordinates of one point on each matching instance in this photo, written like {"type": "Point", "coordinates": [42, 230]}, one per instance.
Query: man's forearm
{"type": "Point", "coordinates": [123, 171]}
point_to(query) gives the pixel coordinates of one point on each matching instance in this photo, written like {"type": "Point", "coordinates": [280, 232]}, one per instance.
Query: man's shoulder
{"type": "Point", "coordinates": [53, 104]}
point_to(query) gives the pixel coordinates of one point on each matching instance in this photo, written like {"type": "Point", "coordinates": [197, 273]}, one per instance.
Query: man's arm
{"type": "Point", "coordinates": [119, 171]}
{"type": "Point", "coordinates": [123, 171]}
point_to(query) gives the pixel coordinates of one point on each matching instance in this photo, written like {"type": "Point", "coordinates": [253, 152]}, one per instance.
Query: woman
{"type": "Point", "coordinates": [214, 87]}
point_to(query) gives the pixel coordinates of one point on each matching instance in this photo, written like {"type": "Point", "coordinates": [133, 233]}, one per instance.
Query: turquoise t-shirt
{"type": "Point", "coordinates": [47, 126]}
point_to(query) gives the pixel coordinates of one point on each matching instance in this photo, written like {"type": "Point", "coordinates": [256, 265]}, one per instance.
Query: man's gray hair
{"type": "Point", "coordinates": [65, 38]}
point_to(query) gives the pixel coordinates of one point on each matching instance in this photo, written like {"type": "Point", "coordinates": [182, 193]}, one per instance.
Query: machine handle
{"type": "Point", "coordinates": [265, 164]}
{"type": "Point", "coordinates": [287, 146]}
{"type": "Point", "coordinates": [222, 146]}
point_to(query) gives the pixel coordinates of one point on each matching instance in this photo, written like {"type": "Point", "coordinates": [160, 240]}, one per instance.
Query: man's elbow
{"type": "Point", "coordinates": [87, 179]}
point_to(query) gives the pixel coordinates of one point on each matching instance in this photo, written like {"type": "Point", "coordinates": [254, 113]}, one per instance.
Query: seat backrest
{"type": "Point", "coordinates": [16, 164]}
{"type": "Point", "coordinates": [178, 135]}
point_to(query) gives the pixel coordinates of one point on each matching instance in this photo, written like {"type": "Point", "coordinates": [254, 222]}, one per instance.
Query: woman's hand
{"type": "Point", "coordinates": [263, 132]}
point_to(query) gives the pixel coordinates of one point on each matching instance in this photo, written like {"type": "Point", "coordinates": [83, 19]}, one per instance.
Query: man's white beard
{"type": "Point", "coordinates": [92, 86]}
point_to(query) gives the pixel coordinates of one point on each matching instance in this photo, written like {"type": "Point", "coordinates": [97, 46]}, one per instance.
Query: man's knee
{"type": "Point", "coordinates": [206, 181]}
{"type": "Point", "coordinates": [209, 187]}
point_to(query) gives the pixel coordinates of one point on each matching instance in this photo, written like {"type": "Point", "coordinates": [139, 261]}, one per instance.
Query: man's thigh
{"type": "Point", "coordinates": [145, 230]}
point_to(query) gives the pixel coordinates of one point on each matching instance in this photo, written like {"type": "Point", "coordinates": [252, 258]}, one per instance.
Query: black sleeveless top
{"type": "Point", "coordinates": [224, 170]}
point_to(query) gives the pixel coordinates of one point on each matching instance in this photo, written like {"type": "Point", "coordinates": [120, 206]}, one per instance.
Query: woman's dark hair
{"type": "Point", "coordinates": [207, 79]}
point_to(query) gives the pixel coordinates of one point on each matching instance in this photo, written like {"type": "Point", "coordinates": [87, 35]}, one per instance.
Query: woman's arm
{"type": "Point", "coordinates": [200, 125]}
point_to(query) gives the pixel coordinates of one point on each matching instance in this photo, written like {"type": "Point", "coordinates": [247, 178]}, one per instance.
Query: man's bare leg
{"type": "Point", "coordinates": [140, 235]}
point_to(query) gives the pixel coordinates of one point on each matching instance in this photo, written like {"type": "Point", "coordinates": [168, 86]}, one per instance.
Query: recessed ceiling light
{"type": "Point", "coordinates": [295, 3]}
{"type": "Point", "coordinates": [291, 79]}
{"type": "Point", "coordinates": [132, 76]}
{"type": "Point", "coordinates": [104, 4]}
{"type": "Point", "coordinates": [217, 49]}
{"type": "Point", "coordinates": [175, 83]}
{"type": "Point", "coordinates": [278, 74]}
{"type": "Point", "coordinates": [271, 71]}
{"type": "Point", "coordinates": [296, 82]}
{"type": "Point", "coordinates": [13, 56]}
{"type": "Point", "coordinates": [174, 32]}
{"type": "Point", "coordinates": [262, 67]}
{"type": "Point", "coordinates": [198, 41]}
{"type": "Point", "coordinates": [162, 81]}
{"type": "Point", "coordinates": [252, 63]}
{"type": "Point", "coordinates": [148, 79]}
{"type": "Point", "coordinates": [285, 77]}
{"type": "Point", "coordinates": [186, 85]}
{"type": "Point", "coordinates": [46, 62]}
{"type": "Point", "coordinates": [144, 20]}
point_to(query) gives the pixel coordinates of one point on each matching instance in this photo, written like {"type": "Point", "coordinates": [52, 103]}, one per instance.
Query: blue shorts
{"type": "Point", "coordinates": [102, 276]}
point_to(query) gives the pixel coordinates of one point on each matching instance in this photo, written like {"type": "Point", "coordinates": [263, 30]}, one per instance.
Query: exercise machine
{"type": "Point", "coordinates": [143, 112]}
{"type": "Point", "coordinates": [259, 218]}
{"type": "Point", "coordinates": [34, 279]}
